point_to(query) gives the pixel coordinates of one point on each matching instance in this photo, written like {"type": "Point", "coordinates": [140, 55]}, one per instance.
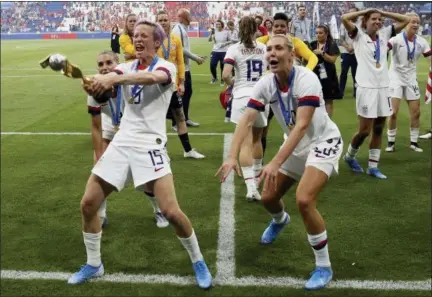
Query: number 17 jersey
{"type": "Point", "coordinates": [249, 65]}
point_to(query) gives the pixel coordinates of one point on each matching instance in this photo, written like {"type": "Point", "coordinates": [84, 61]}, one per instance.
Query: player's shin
{"type": "Point", "coordinates": [191, 245]}
{"type": "Point", "coordinates": [319, 246]}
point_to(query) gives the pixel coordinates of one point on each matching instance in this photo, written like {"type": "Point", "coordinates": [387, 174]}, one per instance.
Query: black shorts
{"type": "Point", "coordinates": [176, 103]}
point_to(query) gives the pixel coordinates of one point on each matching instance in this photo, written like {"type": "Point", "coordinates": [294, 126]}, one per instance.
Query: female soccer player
{"type": "Point", "coordinates": [246, 57]}
{"type": "Point", "coordinates": [310, 153]}
{"type": "Point", "coordinates": [138, 148]}
{"type": "Point", "coordinates": [126, 38]}
{"type": "Point", "coordinates": [373, 102]}
{"type": "Point", "coordinates": [407, 47]}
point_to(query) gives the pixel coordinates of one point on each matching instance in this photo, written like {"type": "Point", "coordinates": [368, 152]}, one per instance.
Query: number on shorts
{"type": "Point", "coordinates": [254, 66]}
{"type": "Point", "coordinates": [156, 157]}
{"type": "Point", "coordinates": [389, 102]}
{"type": "Point", "coordinates": [328, 151]}
{"type": "Point", "coordinates": [415, 89]}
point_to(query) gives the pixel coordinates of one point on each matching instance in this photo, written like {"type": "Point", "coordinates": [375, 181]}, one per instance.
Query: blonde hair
{"type": "Point", "coordinates": [126, 30]}
{"type": "Point", "coordinates": [288, 40]}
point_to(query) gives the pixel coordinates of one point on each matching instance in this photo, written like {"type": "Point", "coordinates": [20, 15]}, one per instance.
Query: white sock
{"type": "Point", "coordinates": [102, 211]}
{"type": "Point", "coordinates": [192, 247]}
{"type": "Point", "coordinates": [320, 249]}
{"type": "Point", "coordinates": [92, 243]}
{"type": "Point", "coordinates": [257, 166]}
{"type": "Point", "coordinates": [374, 156]}
{"type": "Point", "coordinates": [414, 134]}
{"type": "Point", "coordinates": [391, 135]}
{"type": "Point", "coordinates": [351, 152]}
{"type": "Point", "coordinates": [153, 201]}
{"type": "Point", "coordinates": [249, 178]}
{"type": "Point", "coordinates": [279, 217]}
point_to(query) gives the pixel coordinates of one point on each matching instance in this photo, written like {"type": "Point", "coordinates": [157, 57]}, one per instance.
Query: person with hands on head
{"type": "Point", "coordinates": [310, 154]}
{"type": "Point", "coordinates": [138, 148]}
{"type": "Point", "coordinates": [373, 100]}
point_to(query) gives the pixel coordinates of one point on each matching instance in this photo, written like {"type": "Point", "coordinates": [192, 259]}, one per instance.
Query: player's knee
{"type": "Point", "coordinates": [415, 114]}
{"type": "Point", "coordinates": [303, 202]}
{"type": "Point", "coordinates": [171, 213]}
{"type": "Point", "coordinates": [88, 207]}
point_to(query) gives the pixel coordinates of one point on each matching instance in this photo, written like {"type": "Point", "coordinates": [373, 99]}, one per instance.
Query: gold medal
{"type": "Point", "coordinates": [378, 65]}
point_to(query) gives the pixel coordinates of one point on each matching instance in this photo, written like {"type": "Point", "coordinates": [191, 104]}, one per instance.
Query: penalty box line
{"type": "Point", "coordinates": [250, 281]}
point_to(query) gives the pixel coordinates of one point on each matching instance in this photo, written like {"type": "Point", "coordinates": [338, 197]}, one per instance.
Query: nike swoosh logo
{"type": "Point", "coordinates": [157, 169]}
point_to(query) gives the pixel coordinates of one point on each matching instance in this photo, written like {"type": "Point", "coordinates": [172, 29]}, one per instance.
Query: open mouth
{"type": "Point", "coordinates": [139, 48]}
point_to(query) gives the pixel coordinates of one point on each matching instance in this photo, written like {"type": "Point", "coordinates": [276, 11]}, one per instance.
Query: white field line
{"type": "Point", "coordinates": [87, 133]}
{"type": "Point", "coordinates": [287, 282]}
{"type": "Point", "coordinates": [225, 263]}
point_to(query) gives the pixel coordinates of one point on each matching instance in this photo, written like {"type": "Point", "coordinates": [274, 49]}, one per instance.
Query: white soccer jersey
{"type": "Point", "coordinates": [249, 65]}
{"type": "Point", "coordinates": [143, 123]}
{"type": "Point", "coordinates": [307, 91]}
{"type": "Point", "coordinates": [402, 72]}
{"type": "Point", "coordinates": [221, 37]}
{"type": "Point", "coordinates": [368, 75]}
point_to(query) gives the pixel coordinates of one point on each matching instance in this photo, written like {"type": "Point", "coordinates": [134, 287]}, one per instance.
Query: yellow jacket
{"type": "Point", "coordinates": [126, 45]}
{"type": "Point", "coordinates": [175, 55]}
{"type": "Point", "coordinates": [300, 48]}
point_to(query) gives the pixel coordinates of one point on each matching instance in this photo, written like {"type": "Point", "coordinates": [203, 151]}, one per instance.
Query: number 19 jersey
{"type": "Point", "coordinates": [249, 65]}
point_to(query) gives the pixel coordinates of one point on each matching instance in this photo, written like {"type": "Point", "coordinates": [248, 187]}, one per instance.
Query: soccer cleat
{"type": "Point", "coordinates": [161, 221]}
{"type": "Point", "coordinates": [353, 164]}
{"type": "Point", "coordinates": [415, 148]}
{"type": "Point", "coordinates": [213, 81]}
{"type": "Point", "coordinates": [86, 273]}
{"type": "Point", "coordinates": [253, 195]}
{"type": "Point", "coordinates": [376, 173]}
{"type": "Point", "coordinates": [320, 278]}
{"type": "Point", "coordinates": [273, 230]}
{"type": "Point", "coordinates": [202, 275]}
{"type": "Point", "coordinates": [426, 136]}
{"type": "Point", "coordinates": [390, 148]}
{"type": "Point", "coordinates": [190, 123]}
{"type": "Point", "coordinates": [193, 154]}
{"type": "Point", "coordinates": [105, 222]}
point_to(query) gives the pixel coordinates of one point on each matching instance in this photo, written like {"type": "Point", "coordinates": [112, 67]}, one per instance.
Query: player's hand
{"type": "Point", "coordinates": [201, 60]}
{"type": "Point", "coordinates": [269, 176]}
{"type": "Point", "coordinates": [101, 84]}
{"type": "Point", "coordinates": [349, 48]}
{"type": "Point", "coordinates": [181, 90]}
{"type": "Point", "coordinates": [227, 166]}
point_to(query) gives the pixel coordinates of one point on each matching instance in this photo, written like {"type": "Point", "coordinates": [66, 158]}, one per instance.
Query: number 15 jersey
{"type": "Point", "coordinates": [249, 65]}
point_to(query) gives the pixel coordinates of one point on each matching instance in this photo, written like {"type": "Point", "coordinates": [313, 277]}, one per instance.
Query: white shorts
{"type": "Point", "coordinates": [108, 130]}
{"type": "Point", "coordinates": [324, 156]}
{"type": "Point", "coordinates": [238, 108]}
{"type": "Point", "coordinates": [119, 163]}
{"type": "Point", "coordinates": [373, 103]}
{"type": "Point", "coordinates": [409, 93]}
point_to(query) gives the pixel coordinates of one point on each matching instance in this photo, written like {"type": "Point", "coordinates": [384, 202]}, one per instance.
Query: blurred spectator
{"type": "Point", "coordinates": [115, 36]}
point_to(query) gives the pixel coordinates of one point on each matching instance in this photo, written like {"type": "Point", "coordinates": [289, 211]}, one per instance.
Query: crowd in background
{"type": "Point", "coordinates": [22, 17]}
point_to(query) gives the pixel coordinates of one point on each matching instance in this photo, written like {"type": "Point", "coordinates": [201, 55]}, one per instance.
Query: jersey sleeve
{"type": "Point", "coordinates": [230, 55]}
{"type": "Point", "coordinates": [356, 33]}
{"type": "Point", "coordinates": [426, 48]}
{"type": "Point", "coordinates": [309, 91]}
{"type": "Point", "coordinates": [170, 70]}
{"type": "Point", "coordinates": [94, 108]}
{"type": "Point", "coordinates": [260, 96]}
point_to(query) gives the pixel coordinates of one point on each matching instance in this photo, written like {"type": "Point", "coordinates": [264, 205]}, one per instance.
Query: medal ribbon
{"type": "Point", "coordinates": [377, 50]}
{"type": "Point", "coordinates": [165, 50]}
{"type": "Point", "coordinates": [410, 53]}
{"type": "Point", "coordinates": [136, 90]}
{"type": "Point", "coordinates": [116, 112]}
{"type": "Point", "coordinates": [286, 111]}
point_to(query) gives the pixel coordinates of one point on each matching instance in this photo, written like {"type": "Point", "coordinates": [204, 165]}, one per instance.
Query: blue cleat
{"type": "Point", "coordinates": [86, 273]}
{"type": "Point", "coordinates": [353, 164]}
{"type": "Point", "coordinates": [273, 231]}
{"type": "Point", "coordinates": [376, 173]}
{"type": "Point", "coordinates": [202, 275]}
{"type": "Point", "coordinates": [320, 278]}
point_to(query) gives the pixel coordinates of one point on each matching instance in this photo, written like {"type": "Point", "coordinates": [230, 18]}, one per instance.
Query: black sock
{"type": "Point", "coordinates": [264, 143]}
{"type": "Point", "coordinates": [184, 138]}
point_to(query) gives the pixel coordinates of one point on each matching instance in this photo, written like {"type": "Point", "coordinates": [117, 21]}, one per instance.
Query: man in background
{"type": "Point", "coordinates": [301, 26]}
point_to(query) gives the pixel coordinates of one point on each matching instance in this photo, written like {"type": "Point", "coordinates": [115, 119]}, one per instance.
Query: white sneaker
{"type": "Point", "coordinates": [390, 148]}
{"type": "Point", "coordinates": [426, 136]}
{"type": "Point", "coordinates": [193, 154]}
{"type": "Point", "coordinates": [174, 128]}
{"type": "Point", "coordinates": [416, 148]}
{"type": "Point", "coordinates": [161, 221]}
{"type": "Point", "coordinates": [252, 196]}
